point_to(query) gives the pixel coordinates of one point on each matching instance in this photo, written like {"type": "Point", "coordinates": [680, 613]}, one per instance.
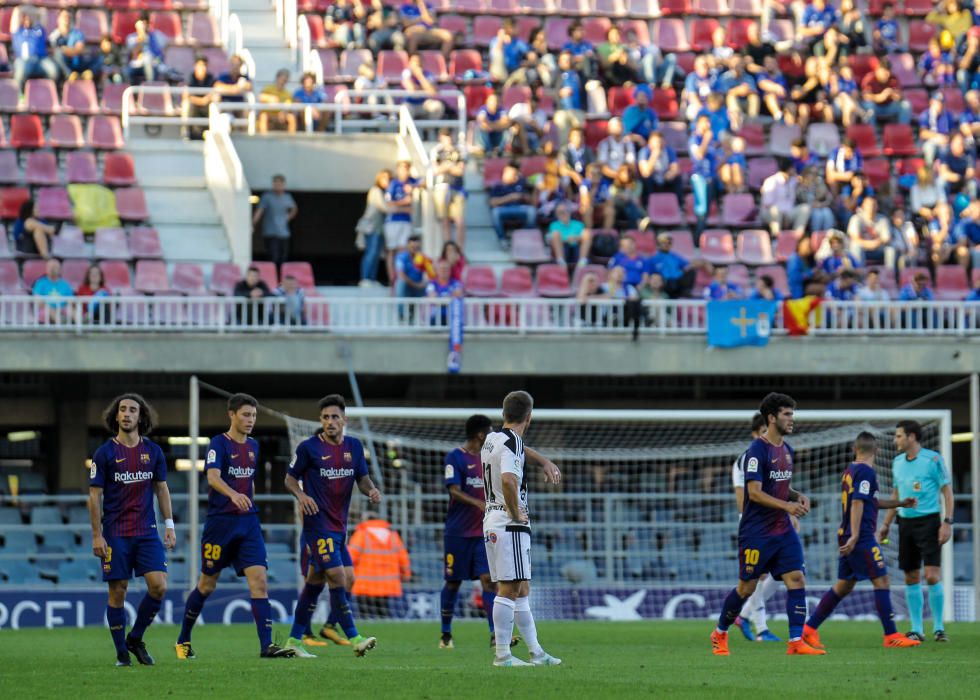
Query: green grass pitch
{"type": "Point", "coordinates": [601, 660]}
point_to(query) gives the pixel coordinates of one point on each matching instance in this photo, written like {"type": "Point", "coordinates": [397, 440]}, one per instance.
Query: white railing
{"type": "Point", "coordinates": [177, 114]}
{"type": "Point", "coordinates": [221, 11]}
{"type": "Point", "coordinates": [303, 49]}
{"type": "Point", "coordinates": [483, 315]}
{"type": "Point", "coordinates": [225, 179]}
{"type": "Point", "coordinates": [235, 41]}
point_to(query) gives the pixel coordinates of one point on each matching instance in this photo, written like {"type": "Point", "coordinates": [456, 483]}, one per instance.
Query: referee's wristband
{"type": "Point", "coordinates": [169, 524]}
{"type": "Point", "coordinates": [948, 521]}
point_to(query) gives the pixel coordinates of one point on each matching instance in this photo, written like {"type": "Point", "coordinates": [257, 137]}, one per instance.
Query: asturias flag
{"type": "Point", "coordinates": [734, 323]}
{"type": "Point", "coordinates": [799, 315]}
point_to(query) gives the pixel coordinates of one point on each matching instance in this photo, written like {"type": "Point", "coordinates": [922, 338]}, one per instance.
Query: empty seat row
{"type": "Point", "coordinates": [54, 204]}
{"type": "Point", "coordinates": [64, 131]}
{"type": "Point", "coordinates": [41, 168]}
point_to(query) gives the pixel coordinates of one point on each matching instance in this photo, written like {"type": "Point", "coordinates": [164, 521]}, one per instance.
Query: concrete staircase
{"type": "Point", "coordinates": [264, 40]}
{"type": "Point", "coordinates": [171, 173]}
{"type": "Point", "coordinates": [482, 247]}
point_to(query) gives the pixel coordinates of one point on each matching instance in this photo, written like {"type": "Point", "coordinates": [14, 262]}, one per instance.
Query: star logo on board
{"type": "Point", "coordinates": [420, 606]}
{"type": "Point", "coordinates": [616, 609]}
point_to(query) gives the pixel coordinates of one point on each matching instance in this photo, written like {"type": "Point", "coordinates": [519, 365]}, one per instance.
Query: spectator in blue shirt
{"type": "Point", "coordinates": [818, 18]}
{"type": "Point", "coordinates": [30, 50]}
{"type": "Point", "coordinates": [633, 264]}
{"type": "Point", "coordinates": [845, 287]}
{"type": "Point", "coordinates": [639, 119]}
{"type": "Point", "coordinates": [839, 259]}
{"type": "Point", "coordinates": [309, 93]}
{"type": "Point", "coordinates": [582, 51]}
{"type": "Point", "coordinates": [507, 51]}
{"type": "Point", "coordinates": [720, 288]}
{"type": "Point", "coordinates": [843, 166]}
{"type": "Point", "coordinates": [717, 114]}
{"type": "Point", "coordinates": [427, 104]}
{"type": "Point", "coordinates": [659, 169]}
{"type": "Point", "coordinates": [145, 50]}
{"type": "Point", "coordinates": [510, 201]}
{"type": "Point", "coordinates": [443, 286]}
{"type": "Point", "coordinates": [704, 164]}
{"type": "Point", "coordinates": [419, 28]}
{"type": "Point", "coordinates": [764, 289]}
{"type": "Point", "coordinates": [935, 126]}
{"type": "Point", "coordinates": [293, 312]}
{"type": "Point", "coordinates": [974, 294]}
{"type": "Point", "coordinates": [410, 267]}
{"type": "Point", "coordinates": [739, 88]}
{"type": "Point", "coordinates": [570, 110]}
{"type": "Point", "coordinates": [698, 84]}
{"type": "Point", "coordinates": [886, 36]}
{"type": "Point", "coordinates": [53, 285]}
{"type": "Point", "coordinates": [917, 290]}
{"type": "Point", "coordinates": [772, 86]}
{"type": "Point", "coordinates": [675, 270]}
{"type": "Point", "coordinates": [491, 124]}
{"type": "Point", "coordinates": [69, 51]}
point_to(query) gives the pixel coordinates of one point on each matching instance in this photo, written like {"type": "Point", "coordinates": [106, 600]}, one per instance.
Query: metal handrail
{"type": "Point", "coordinates": [132, 116]}
{"type": "Point", "coordinates": [236, 35]}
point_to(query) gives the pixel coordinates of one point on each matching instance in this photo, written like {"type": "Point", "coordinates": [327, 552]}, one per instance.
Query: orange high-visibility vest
{"type": "Point", "coordinates": [380, 560]}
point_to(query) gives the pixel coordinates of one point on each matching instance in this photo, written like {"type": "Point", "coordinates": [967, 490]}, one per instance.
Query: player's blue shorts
{"type": "Point", "coordinates": [324, 549]}
{"type": "Point", "coordinates": [775, 555]}
{"type": "Point", "coordinates": [232, 540]}
{"type": "Point", "coordinates": [465, 558]}
{"type": "Point", "coordinates": [864, 563]}
{"type": "Point", "coordinates": [133, 555]}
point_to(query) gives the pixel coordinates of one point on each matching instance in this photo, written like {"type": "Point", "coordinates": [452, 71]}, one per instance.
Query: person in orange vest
{"type": "Point", "coordinates": [381, 563]}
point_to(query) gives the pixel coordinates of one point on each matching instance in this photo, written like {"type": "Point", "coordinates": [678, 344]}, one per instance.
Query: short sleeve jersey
{"type": "Point", "coordinates": [859, 483]}
{"type": "Point", "coordinates": [920, 478]}
{"type": "Point", "coordinates": [463, 470]}
{"type": "Point", "coordinates": [236, 461]}
{"type": "Point", "coordinates": [126, 476]}
{"type": "Point", "coordinates": [503, 453]}
{"type": "Point", "coordinates": [773, 467]}
{"type": "Point", "coordinates": [328, 473]}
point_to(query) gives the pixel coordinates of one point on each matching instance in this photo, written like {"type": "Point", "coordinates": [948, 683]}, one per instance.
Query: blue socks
{"type": "Point", "coordinates": [730, 610]}
{"type": "Point", "coordinates": [339, 601]}
{"type": "Point", "coordinates": [488, 598]}
{"type": "Point", "coordinates": [305, 607]}
{"type": "Point", "coordinates": [913, 597]}
{"type": "Point", "coordinates": [796, 612]}
{"type": "Point", "coordinates": [262, 612]}
{"type": "Point", "coordinates": [937, 601]}
{"type": "Point", "coordinates": [148, 609]}
{"type": "Point", "coordinates": [883, 604]}
{"type": "Point", "coordinates": [116, 617]}
{"type": "Point", "coordinates": [447, 605]}
{"type": "Point", "coordinates": [824, 609]}
{"type": "Point", "coordinates": [192, 610]}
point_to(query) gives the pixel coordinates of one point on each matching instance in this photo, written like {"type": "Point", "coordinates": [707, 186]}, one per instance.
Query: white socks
{"type": "Point", "coordinates": [754, 609]}
{"type": "Point", "coordinates": [503, 624]}
{"type": "Point", "coordinates": [525, 623]}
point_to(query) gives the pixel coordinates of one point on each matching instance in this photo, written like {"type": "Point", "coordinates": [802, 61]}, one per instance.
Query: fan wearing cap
{"type": "Point", "coordinates": [935, 125]}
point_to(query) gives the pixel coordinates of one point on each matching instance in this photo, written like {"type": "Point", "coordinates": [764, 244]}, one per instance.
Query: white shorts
{"type": "Point", "coordinates": [397, 233]}
{"type": "Point", "coordinates": [508, 552]}
{"type": "Point", "coordinates": [738, 477]}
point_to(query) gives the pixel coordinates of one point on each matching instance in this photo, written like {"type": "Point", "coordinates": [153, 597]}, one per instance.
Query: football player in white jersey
{"type": "Point", "coordinates": [507, 530]}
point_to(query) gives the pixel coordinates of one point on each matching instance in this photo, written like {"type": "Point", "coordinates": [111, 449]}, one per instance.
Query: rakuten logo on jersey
{"type": "Point", "coordinates": [474, 482]}
{"type": "Point", "coordinates": [241, 472]}
{"type": "Point", "coordinates": [336, 473]}
{"type": "Point", "coordinates": [132, 477]}
{"type": "Point", "coordinates": [780, 475]}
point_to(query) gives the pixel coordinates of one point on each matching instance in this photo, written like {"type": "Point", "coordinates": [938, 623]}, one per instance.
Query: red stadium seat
{"type": "Point", "coordinates": [123, 24]}
{"type": "Point", "coordinates": [539, 7]}
{"type": "Point", "coordinates": [595, 29]}
{"type": "Point", "coordinates": [920, 32]}
{"type": "Point", "coordinates": [302, 271]}
{"type": "Point", "coordinates": [675, 7]}
{"type": "Point", "coordinates": [635, 30]}
{"type": "Point", "coordinates": [759, 170]}
{"type": "Point", "coordinates": [737, 32]}
{"type": "Point", "coordinates": [456, 25]}
{"type": "Point", "coordinates": [552, 281]}
{"type": "Point", "coordinates": [33, 271]}
{"type": "Point", "coordinates": [527, 247]}
{"type": "Point", "coordinates": [330, 65]}
{"type": "Point", "coordinates": [218, 62]}
{"type": "Point", "coordinates": [919, 8]}
{"type": "Point", "coordinates": [485, 29]}
{"type": "Point", "coordinates": [116, 274]}
{"type": "Point", "coordinates": [675, 135]}
{"type": "Point", "coordinates": [112, 244]}
{"type": "Point", "coordinates": [69, 243]}
{"type": "Point", "coordinates": [951, 283]}
{"type": "Point", "coordinates": [9, 169]}
{"type": "Point", "coordinates": [682, 243]}
{"type": "Point", "coordinates": [664, 103]}
{"type": "Point", "coordinates": [318, 38]}
{"type": "Point", "coordinates": [168, 24]}
{"type": "Point", "coordinates": [618, 99]}
{"type": "Point", "coordinates": [754, 247]}
{"type": "Point", "coordinates": [876, 7]}
{"type": "Point", "coordinates": [10, 282]}
{"type": "Point", "coordinates": [434, 62]}
{"type": "Point", "coordinates": [822, 138]}
{"type": "Point", "coordinates": [954, 100]}
{"type": "Point", "coordinates": [480, 281]}
{"type": "Point", "coordinates": [267, 272]}
{"type": "Point", "coordinates": [575, 8]}
{"type": "Point", "coordinates": [556, 32]}
{"type": "Point", "coordinates": [463, 60]}
{"type": "Point", "coordinates": [701, 31]}
{"type": "Point", "coordinates": [671, 36]}
{"type": "Point", "coordinates": [600, 271]}
{"type": "Point", "coordinates": [898, 140]}
{"type": "Point", "coordinates": [644, 9]}
{"type": "Point", "coordinates": [11, 199]}
{"type": "Point", "coordinates": [79, 97]}
{"type": "Point", "coordinates": [663, 210]}
{"type": "Point", "coordinates": [154, 103]}
{"type": "Point", "coordinates": [778, 274]}
{"type": "Point", "coordinates": [119, 170]}
{"type": "Point", "coordinates": [918, 99]}
{"type": "Point", "coordinates": [515, 94]}
{"type": "Point", "coordinates": [53, 203]}
{"type": "Point", "coordinates": [525, 25]}
{"type": "Point", "coordinates": [712, 8]}
{"type": "Point", "coordinates": [865, 139]}
{"type": "Point", "coordinates": [878, 171]}
{"type": "Point", "coordinates": [112, 94]}
{"type": "Point", "coordinates": [476, 97]}
{"type": "Point", "coordinates": [9, 95]}
{"type": "Point", "coordinates": [74, 270]}
{"type": "Point", "coordinates": [610, 8]}
{"type": "Point", "coordinates": [65, 131]}
{"type": "Point", "coordinates": [144, 242]}
{"type": "Point", "coordinates": [646, 244]}
{"type": "Point", "coordinates": [595, 131]}
{"type": "Point", "coordinates": [224, 277]}
{"type": "Point", "coordinates": [391, 64]}
{"type": "Point", "coordinates": [203, 31]}
{"type": "Point", "coordinates": [786, 245]}
{"type": "Point", "coordinates": [534, 165]}
{"type": "Point", "coordinates": [738, 210]}
{"type": "Point", "coordinates": [5, 252]}
{"type": "Point", "coordinates": [504, 7]}
{"type": "Point", "coordinates": [104, 133]}
{"type": "Point", "coordinates": [41, 169]}
{"type": "Point", "coordinates": [516, 282]}
{"type": "Point", "coordinates": [26, 131]}
{"type": "Point", "coordinates": [92, 23]}
{"type": "Point", "coordinates": [131, 204]}
{"type": "Point", "coordinates": [781, 138]}
{"type": "Point", "coordinates": [351, 60]}
{"type": "Point", "coordinates": [716, 246]}
{"type": "Point", "coordinates": [151, 277]}
{"type": "Point", "coordinates": [903, 68]}
{"type": "Point", "coordinates": [469, 7]}
{"type": "Point", "coordinates": [493, 169]}
{"type": "Point", "coordinates": [188, 278]}
{"type": "Point", "coordinates": [862, 64]}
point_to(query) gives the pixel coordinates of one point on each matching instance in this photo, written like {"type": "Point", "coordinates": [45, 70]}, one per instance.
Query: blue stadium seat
{"type": "Point", "coordinates": [10, 516]}
{"type": "Point", "coordinates": [46, 515]}
{"type": "Point", "coordinates": [283, 571]}
{"type": "Point", "coordinates": [31, 483]}
{"type": "Point", "coordinates": [275, 549]}
{"type": "Point", "coordinates": [19, 542]}
{"type": "Point", "coordinates": [78, 571]}
{"type": "Point", "coordinates": [60, 538]}
{"type": "Point", "coordinates": [17, 572]}
{"type": "Point", "coordinates": [78, 515]}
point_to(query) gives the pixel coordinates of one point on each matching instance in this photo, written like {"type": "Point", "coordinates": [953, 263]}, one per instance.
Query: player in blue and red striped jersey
{"type": "Point", "coordinates": [126, 472]}
{"type": "Point", "coordinates": [464, 550]}
{"type": "Point", "coordinates": [861, 558]}
{"type": "Point", "coordinates": [767, 541]}
{"type": "Point", "coordinates": [232, 533]}
{"type": "Point", "coordinates": [329, 464]}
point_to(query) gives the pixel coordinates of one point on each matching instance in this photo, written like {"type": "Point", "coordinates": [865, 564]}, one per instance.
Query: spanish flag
{"type": "Point", "coordinates": [800, 315]}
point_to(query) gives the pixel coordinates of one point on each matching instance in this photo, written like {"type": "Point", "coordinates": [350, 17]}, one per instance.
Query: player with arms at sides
{"type": "Point", "coordinates": [922, 531]}
{"type": "Point", "coordinates": [328, 464]}
{"type": "Point", "coordinates": [232, 533]}
{"type": "Point", "coordinates": [767, 541]}
{"type": "Point", "coordinates": [860, 555]}
{"type": "Point", "coordinates": [126, 472]}
{"type": "Point", "coordinates": [754, 610]}
{"type": "Point", "coordinates": [465, 557]}
{"type": "Point", "coordinates": [507, 531]}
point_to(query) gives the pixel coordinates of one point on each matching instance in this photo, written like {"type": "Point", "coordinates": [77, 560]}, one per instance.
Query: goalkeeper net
{"type": "Point", "coordinates": [646, 497]}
